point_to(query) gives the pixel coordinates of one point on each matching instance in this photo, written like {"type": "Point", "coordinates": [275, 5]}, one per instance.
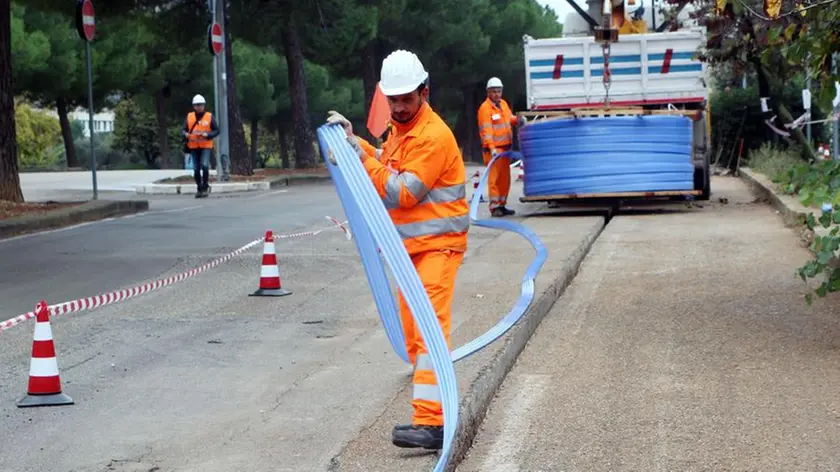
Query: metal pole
{"type": "Point", "coordinates": [808, 86]}
{"type": "Point", "coordinates": [90, 119]}
{"type": "Point", "coordinates": [216, 105]}
{"type": "Point", "coordinates": [222, 161]}
{"type": "Point", "coordinates": [836, 151]}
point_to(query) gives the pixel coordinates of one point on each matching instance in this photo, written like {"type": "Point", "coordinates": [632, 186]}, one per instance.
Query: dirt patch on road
{"type": "Point", "coordinates": [13, 210]}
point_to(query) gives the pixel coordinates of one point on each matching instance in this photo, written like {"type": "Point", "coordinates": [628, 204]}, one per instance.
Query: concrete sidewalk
{"type": "Point", "coordinates": [683, 344]}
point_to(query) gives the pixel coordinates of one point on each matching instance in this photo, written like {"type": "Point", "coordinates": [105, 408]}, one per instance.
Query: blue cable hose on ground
{"type": "Point", "coordinates": [526, 295]}
{"type": "Point", "coordinates": [370, 223]}
{"type": "Point", "coordinates": [604, 155]}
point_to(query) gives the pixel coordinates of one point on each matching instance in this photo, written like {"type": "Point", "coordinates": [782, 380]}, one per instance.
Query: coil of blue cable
{"type": "Point", "coordinates": [606, 155]}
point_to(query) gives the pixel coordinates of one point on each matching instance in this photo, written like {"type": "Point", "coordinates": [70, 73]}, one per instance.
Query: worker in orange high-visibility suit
{"type": "Point", "coordinates": [495, 122]}
{"type": "Point", "coordinates": [421, 179]}
{"type": "Point", "coordinates": [200, 128]}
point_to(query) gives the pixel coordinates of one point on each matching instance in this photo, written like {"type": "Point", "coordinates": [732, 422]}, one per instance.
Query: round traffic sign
{"type": "Point", "coordinates": [215, 39]}
{"type": "Point", "coordinates": [85, 19]}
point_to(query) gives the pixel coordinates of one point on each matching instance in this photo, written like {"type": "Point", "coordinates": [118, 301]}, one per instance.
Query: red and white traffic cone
{"type": "Point", "coordinates": [44, 380]}
{"type": "Point", "coordinates": [521, 174]}
{"type": "Point", "coordinates": [269, 272]}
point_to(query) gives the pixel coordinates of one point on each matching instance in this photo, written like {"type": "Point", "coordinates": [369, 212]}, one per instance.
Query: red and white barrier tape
{"type": "Point", "coordinates": [124, 294]}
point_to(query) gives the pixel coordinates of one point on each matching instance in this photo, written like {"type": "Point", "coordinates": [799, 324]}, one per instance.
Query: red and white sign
{"type": "Point", "coordinates": [88, 20]}
{"type": "Point", "coordinates": [217, 41]}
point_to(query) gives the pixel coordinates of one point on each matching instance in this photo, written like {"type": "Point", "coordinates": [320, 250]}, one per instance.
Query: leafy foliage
{"type": "Point", "coordinates": [38, 138]}
{"type": "Point", "coordinates": [818, 184]}
{"type": "Point", "coordinates": [135, 132]}
{"type": "Point", "coordinates": [774, 161]}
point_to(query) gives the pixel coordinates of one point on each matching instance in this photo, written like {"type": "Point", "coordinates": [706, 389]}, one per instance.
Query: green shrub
{"type": "Point", "coordinates": [38, 138]}
{"type": "Point", "coordinates": [775, 162]}
{"type": "Point", "coordinates": [740, 110]}
{"type": "Point", "coordinates": [107, 156]}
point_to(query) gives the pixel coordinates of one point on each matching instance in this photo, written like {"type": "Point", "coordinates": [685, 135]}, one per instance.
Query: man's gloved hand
{"type": "Point", "coordinates": [494, 152]}
{"type": "Point", "coordinates": [521, 120]}
{"type": "Point", "coordinates": [336, 117]}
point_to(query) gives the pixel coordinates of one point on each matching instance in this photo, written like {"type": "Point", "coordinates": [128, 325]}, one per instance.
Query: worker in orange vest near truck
{"type": "Point", "coordinates": [495, 126]}
{"type": "Point", "coordinates": [421, 179]}
{"type": "Point", "coordinates": [200, 128]}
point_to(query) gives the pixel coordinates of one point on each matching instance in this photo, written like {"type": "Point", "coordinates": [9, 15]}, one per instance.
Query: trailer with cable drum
{"type": "Point", "coordinates": [615, 118]}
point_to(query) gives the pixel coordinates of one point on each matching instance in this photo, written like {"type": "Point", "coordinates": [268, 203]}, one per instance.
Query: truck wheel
{"type": "Point", "coordinates": [702, 182]}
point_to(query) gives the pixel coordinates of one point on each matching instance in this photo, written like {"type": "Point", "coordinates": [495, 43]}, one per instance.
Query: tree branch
{"type": "Point", "coordinates": [794, 12]}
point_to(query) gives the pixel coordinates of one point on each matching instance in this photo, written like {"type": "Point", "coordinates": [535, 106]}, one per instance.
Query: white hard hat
{"type": "Point", "coordinates": [199, 100]}
{"type": "Point", "coordinates": [402, 72]}
{"type": "Point", "coordinates": [494, 82]}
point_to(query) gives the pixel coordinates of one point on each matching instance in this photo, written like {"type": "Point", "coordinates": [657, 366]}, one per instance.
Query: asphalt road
{"type": "Point", "coordinates": [199, 376]}
{"type": "Point", "coordinates": [684, 343]}
{"type": "Point", "coordinates": [102, 256]}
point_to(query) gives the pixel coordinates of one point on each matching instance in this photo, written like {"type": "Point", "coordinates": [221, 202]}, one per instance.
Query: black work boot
{"type": "Point", "coordinates": [412, 436]}
{"type": "Point", "coordinates": [498, 211]}
{"type": "Point", "coordinates": [507, 211]}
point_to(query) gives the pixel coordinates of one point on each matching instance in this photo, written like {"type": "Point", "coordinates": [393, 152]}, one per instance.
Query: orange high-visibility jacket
{"type": "Point", "coordinates": [495, 125]}
{"type": "Point", "coordinates": [421, 179]}
{"type": "Point", "coordinates": [205, 125]}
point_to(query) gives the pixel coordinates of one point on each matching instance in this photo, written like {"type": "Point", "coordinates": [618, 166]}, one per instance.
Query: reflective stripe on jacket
{"type": "Point", "coordinates": [195, 141]}
{"type": "Point", "coordinates": [495, 124]}
{"type": "Point", "coordinates": [421, 179]}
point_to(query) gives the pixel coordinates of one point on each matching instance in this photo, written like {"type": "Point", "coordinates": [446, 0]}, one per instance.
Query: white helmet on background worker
{"type": "Point", "coordinates": [494, 82]}
{"type": "Point", "coordinates": [402, 72]}
{"type": "Point", "coordinates": [199, 100]}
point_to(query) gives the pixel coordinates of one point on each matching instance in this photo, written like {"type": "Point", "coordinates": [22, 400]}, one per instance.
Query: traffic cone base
{"type": "Point", "coordinates": [56, 399]}
{"type": "Point", "coordinates": [270, 292]}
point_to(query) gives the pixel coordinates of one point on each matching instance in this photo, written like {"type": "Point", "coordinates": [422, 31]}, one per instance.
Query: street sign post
{"type": "Point", "coordinates": [86, 25]}
{"type": "Point", "coordinates": [218, 23]}
{"type": "Point", "coordinates": [215, 39]}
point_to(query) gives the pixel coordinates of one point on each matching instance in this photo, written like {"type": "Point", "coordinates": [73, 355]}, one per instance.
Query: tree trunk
{"type": "Point", "coordinates": [284, 147]}
{"type": "Point", "coordinates": [66, 133]}
{"type": "Point", "coordinates": [240, 159]}
{"type": "Point", "coordinates": [773, 86]}
{"type": "Point", "coordinates": [304, 148]}
{"type": "Point", "coordinates": [255, 127]}
{"type": "Point", "coordinates": [163, 129]}
{"type": "Point", "coordinates": [466, 130]}
{"type": "Point", "coordinates": [9, 178]}
{"type": "Point", "coordinates": [370, 78]}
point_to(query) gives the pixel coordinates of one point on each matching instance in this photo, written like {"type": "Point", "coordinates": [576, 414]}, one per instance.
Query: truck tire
{"type": "Point", "coordinates": [702, 182]}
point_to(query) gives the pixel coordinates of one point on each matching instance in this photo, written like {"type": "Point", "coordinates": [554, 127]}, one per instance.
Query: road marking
{"type": "Point", "coordinates": [267, 194]}
{"type": "Point", "coordinates": [503, 455]}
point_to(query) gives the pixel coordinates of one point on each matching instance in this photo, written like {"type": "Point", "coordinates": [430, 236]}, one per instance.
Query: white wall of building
{"type": "Point", "coordinates": [103, 122]}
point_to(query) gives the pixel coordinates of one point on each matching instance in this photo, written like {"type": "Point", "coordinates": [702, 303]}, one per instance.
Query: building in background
{"type": "Point", "coordinates": [103, 122]}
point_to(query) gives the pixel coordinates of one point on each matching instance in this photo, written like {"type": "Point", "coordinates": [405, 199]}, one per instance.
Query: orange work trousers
{"type": "Point", "coordinates": [498, 182]}
{"type": "Point", "coordinates": [437, 270]}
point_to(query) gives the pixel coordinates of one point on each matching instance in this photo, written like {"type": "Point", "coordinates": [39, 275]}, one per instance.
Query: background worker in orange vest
{"type": "Point", "coordinates": [199, 130]}
{"type": "Point", "coordinates": [495, 122]}
{"type": "Point", "coordinates": [421, 179]}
